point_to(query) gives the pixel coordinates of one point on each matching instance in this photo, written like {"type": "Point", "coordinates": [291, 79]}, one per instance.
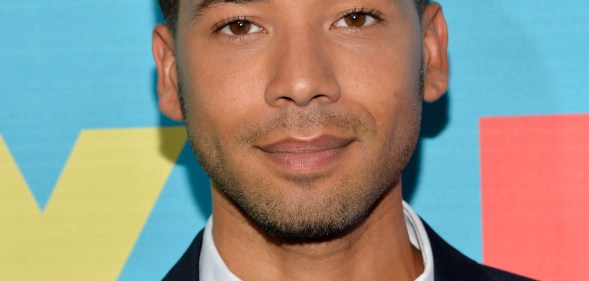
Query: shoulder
{"type": "Point", "coordinates": [187, 266]}
{"type": "Point", "coordinates": [450, 264]}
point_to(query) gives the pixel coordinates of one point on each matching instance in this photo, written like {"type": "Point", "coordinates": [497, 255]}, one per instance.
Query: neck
{"type": "Point", "coordinates": [377, 249]}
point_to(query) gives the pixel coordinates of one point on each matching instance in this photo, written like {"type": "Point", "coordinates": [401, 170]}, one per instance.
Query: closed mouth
{"type": "Point", "coordinates": [300, 155]}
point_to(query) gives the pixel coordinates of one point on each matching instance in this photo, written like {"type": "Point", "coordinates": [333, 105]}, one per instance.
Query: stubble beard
{"type": "Point", "coordinates": [322, 209]}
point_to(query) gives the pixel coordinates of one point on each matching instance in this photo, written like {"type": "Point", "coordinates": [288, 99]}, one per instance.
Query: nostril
{"type": "Point", "coordinates": [282, 101]}
{"type": "Point", "coordinates": [287, 98]}
{"type": "Point", "coordinates": [322, 98]}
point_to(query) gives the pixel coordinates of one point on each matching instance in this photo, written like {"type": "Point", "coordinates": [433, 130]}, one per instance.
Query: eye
{"type": "Point", "coordinates": [358, 19]}
{"type": "Point", "coordinates": [239, 27]}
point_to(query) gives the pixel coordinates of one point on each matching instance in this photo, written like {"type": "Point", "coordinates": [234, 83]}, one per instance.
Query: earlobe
{"type": "Point", "coordinates": [167, 76]}
{"type": "Point", "coordinates": [435, 52]}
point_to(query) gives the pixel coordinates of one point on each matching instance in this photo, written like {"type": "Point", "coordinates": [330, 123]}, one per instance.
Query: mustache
{"type": "Point", "coordinates": [305, 120]}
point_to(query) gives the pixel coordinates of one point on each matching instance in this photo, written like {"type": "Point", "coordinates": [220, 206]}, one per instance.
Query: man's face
{"type": "Point", "coordinates": [303, 113]}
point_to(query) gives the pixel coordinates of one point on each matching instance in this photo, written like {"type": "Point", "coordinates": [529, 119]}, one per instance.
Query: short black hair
{"type": "Point", "coordinates": [170, 8]}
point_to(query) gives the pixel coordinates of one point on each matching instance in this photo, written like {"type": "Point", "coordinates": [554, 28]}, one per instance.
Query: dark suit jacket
{"type": "Point", "coordinates": [449, 264]}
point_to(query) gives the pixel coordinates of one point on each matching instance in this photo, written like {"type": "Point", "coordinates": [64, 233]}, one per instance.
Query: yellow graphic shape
{"type": "Point", "coordinates": [99, 205]}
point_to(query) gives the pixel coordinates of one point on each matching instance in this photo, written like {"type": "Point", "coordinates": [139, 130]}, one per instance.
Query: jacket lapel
{"type": "Point", "coordinates": [187, 268]}
{"type": "Point", "coordinates": [449, 264]}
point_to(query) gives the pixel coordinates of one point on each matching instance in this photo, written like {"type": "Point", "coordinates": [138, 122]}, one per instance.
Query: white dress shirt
{"type": "Point", "coordinates": [213, 268]}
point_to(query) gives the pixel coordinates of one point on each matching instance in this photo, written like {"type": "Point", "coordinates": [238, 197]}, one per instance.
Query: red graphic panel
{"type": "Point", "coordinates": [535, 188]}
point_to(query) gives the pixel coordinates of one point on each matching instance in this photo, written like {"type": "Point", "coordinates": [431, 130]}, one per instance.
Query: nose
{"type": "Point", "coordinates": [302, 72]}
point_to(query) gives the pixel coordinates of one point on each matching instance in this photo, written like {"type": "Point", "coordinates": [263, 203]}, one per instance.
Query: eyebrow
{"type": "Point", "coordinates": [203, 5]}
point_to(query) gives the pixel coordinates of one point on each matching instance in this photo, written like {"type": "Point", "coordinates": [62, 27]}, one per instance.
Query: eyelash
{"type": "Point", "coordinates": [378, 17]}
{"type": "Point", "coordinates": [366, 11]}
{"type": "Point", "coordinates": [225, 22]}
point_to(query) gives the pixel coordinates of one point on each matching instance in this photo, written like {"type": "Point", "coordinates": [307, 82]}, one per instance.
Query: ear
{"type": "Point", "coordinates": [167, 74]}
{"type": "Point", "coordinates": [435, 52]}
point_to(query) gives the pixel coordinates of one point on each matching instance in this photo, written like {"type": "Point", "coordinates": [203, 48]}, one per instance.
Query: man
{"type": "Point", "coordinates": [304, 114]}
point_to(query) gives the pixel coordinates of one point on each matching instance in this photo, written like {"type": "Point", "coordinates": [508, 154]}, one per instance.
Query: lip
{"type": "Point", "coordinates": [306, 155]}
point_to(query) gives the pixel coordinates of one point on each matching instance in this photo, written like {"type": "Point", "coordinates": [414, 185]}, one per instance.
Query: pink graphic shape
{"type": "Point", "coordinates": [535, 189]}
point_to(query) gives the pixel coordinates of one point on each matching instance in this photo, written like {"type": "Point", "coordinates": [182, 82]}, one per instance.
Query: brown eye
{"type": "Point", "coordinates": [239, 27]}
{"type": "Point", "coordinates": [355, 20]}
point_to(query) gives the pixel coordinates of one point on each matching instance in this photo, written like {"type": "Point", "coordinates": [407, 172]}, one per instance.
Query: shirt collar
{"type": "Point", "coordinates": [213, 268]}
{"type": "Point", "coordinates": [211, 265]}
{"type": "Point", "coordinates": [420, 240]}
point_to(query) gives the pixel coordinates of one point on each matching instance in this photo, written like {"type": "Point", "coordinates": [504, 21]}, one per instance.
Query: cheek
{"type": "Point", "coordinates": [222, 95]}
{"type": "Point", "coordinates": [385, 82]}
